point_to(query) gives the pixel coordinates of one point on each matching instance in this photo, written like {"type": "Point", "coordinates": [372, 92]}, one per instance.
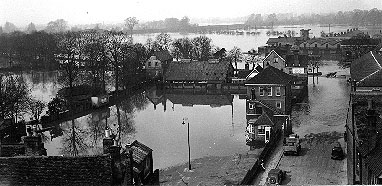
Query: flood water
{"type": "Point", "coordinates": [217, 122]}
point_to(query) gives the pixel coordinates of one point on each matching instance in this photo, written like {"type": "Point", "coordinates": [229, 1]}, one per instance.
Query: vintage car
{"type": "Point", "coordinates": [337, 152]}
{"type": "Point", "coordinates": [275, 177]}
{"type": "Point", "coordinates": [292, 145]}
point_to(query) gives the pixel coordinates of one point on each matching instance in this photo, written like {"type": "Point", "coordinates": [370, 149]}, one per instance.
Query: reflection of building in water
{"type": "Point", "coordinates": [155, 96]}
{"type": "Point", "coordinates": [187, 98]}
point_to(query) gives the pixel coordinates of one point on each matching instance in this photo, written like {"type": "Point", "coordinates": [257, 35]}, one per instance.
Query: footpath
{"type": "Point", "coordinates": [211, 170]}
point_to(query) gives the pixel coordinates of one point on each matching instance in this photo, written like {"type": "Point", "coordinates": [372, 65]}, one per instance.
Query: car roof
{"type": "Point", "coordinates": [274, 171]}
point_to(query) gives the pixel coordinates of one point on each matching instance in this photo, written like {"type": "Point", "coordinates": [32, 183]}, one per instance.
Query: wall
{"type": "Point", "coordinates": [56, 170]}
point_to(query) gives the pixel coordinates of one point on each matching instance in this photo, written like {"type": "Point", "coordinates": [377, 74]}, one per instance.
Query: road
{"type": "Point", "coordinates": [313, 166]}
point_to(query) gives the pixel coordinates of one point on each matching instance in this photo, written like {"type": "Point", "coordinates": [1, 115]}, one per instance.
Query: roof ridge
{"type": "Point", "coordinates": [375, 59]}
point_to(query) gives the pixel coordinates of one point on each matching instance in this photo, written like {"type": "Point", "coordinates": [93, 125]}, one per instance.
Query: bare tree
{"type": "Point", "coordinates": [36, 107]}
{"type": "Point", "coordinates": [201, 48]}
{"type": "Point", "coordinates": [235, 55]}
{"type": "Point", "coordinates": [130, 22]}
{"type": "Point", "coordinates": [31, 28]}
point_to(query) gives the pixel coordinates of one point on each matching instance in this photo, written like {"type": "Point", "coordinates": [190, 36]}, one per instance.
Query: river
{"type": "Point", "coordinates": [217, 122]}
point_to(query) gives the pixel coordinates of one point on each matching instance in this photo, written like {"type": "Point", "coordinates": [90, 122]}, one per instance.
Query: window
{"type": "Point", "coordinates": [315, 45]}
{"type": "Point", "coordinates": [269, 90]}
{"type": "Point", "coordinates": [261, 90]}
{"type": "Point", "coordinates": [156, 64]}
{"type": "Point", "coordinates": [260, 129]}
{"type": "Point", "coordinates": [149, 64]}
{"type": "Point", "coordinates": [278, 104]}
{"type": "Point", "coordinates": [278, 91]}
{"type": "Point", "coordinates": [250, 105]}
{"type": "Point", "coordinates": [327, 46]}
{"type": "Point", "coordinates": [276, 60]}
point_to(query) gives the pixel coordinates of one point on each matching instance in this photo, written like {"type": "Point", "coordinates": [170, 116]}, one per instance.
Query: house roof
{"type": "Point", "coordinates": [202, 99]}
{"type": "Point", "coordinates": [271, 75]}
{"type": "Point", "coordinates": [273, 52]}
{"type": "Point", "coordinates": [259, 68]}
{"type": "Point", "coordinates": [197, 71]}
{"type": "Point", "coordinates": [243, 73]}
{"type": "Point", "coordinates": [56, 170]}
{"type": "Point", "coordinates": [263, 120]}
{"type": "Point", "coordinates": [296, 60]}
{"type": "Point", "coordinates": [290, 40]}
{"type": "Point", "coordinates": [367, 70]}
{"type": "Point", "coordinates": [140, 151]}
{"type": "Point", "coordinates": [163, 55]}
{"type": "Point", "coordinates": [374, 158]}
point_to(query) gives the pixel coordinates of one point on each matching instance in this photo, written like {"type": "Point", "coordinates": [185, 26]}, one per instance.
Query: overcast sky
{"type": "Point", "coordinates": [22, 12]}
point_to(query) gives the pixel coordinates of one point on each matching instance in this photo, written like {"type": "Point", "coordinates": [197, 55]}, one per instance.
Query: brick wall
{"type": "Point", "coordinates": [56, 170]}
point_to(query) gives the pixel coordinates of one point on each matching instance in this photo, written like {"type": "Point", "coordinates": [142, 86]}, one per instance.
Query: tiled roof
{"type": "Point", "coordinates": [56, 170]}
{"type": "Point", "coordinates": [263, 120]}
{"type": "Point", "coordinates": [271, 75]}
{"type": "Point", "coordinates": [197, 71]}
{"type": "Point", "coordinates": [366, 70]}
{"type": "Point", "coordinates": [163, 55]}
{"type": "Point", "coordinates": [374, 158]}
{"type": "Point", "coordinates": [140, 151]}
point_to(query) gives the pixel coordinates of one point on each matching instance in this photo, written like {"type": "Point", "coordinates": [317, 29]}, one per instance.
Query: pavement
{"type": "Point", "coordinates": [211, 170]}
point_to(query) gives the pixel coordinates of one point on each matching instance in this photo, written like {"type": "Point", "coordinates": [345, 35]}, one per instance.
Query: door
{"type": "Point", "coordinates": [267, 134]}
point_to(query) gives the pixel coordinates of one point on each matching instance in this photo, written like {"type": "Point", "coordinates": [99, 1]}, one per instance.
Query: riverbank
{"type": "Point", "coordinates": [211, 170]}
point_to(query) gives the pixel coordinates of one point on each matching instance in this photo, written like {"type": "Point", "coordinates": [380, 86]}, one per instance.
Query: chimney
{"type": "Point", "coordinates": [107, 142]}
{"type": "Point", "coordinates": [33, 145]}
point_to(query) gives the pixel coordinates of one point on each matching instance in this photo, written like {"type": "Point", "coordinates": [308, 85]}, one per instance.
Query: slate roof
{"type": "Point", "coordinates": [263, 120]}
{"type": "Point", "coordinates": [367, 70]}
{"type": "Point", "coordinates": [197, 71]}
{"type": "Point", "coordinates": [271, 75]}
{"type": "Point", "coordinates": [163, 55]}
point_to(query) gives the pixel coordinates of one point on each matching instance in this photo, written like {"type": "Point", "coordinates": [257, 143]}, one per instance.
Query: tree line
{"type": "Point", "coordinates": [90, 57]}
{"type": "Point", "coordinates": [356, 18]}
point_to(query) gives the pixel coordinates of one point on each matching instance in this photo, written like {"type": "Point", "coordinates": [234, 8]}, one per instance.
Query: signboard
{"type": "Point", "coordinates": [298, 70]}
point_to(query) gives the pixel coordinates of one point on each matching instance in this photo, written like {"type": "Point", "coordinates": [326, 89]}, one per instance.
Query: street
{"type": "Point", "coordinates": [313, 166]}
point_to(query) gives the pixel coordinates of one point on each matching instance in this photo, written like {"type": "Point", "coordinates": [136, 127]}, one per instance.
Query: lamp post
{"type": "Point", "coordinates": [188, 141]}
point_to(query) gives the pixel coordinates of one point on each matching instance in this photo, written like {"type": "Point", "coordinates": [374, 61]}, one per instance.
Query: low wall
{"type": "Point", "coordinates": [56, 170]}
{"type": "Point", "coordinates": [265, 154]}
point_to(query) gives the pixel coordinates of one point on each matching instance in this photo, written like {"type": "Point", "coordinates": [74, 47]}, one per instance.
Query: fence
{"type": "Point", "coordinates": [256, 168]}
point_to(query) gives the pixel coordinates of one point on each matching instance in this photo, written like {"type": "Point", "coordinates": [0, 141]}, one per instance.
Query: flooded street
{"type": "Point", "coordinates": [326, 108]}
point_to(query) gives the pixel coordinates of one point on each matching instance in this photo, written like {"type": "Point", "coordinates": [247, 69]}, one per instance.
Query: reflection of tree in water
{"type": "Point", "coordinates": [96, 134]}
{"type": "Point", "coordinates": [73, 139]}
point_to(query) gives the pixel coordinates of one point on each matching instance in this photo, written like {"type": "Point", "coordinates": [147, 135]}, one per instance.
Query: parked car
{"type": "Point", "coordinates": [275, 177]}
{"type": "Point", "coordinates": [337, 152]}
{"type": "Point", "coordinates": [292, 145]}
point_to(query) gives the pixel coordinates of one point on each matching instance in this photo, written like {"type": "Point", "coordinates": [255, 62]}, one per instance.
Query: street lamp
{"type": "Point", "coordinates": [188, 140]}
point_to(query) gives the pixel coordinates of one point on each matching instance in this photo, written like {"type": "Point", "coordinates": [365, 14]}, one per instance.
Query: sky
{"type": "Point", "coordinates": [22, 12]}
